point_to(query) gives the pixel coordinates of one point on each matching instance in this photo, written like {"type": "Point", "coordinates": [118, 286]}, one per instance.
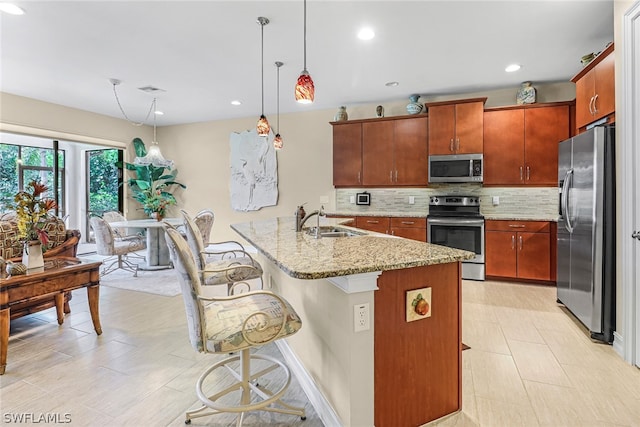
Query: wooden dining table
{"type": "Point", "coordinates": [58, 276]}
{"type": "Point", "coordinates": [157, 256]}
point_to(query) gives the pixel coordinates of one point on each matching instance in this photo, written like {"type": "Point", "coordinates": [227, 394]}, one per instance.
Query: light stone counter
{"type": "Point", "coordinates": [521, 217]}
{"type": "Point", "coordinates": [302, 256]}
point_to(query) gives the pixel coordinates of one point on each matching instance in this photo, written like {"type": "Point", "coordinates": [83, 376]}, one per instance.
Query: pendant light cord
{"type": "Point", "coordinates": [305, 35]}
{"type": "Point", "coordinates": [125, 114]}
{"type": "Point", "coordinates": [262, 63]}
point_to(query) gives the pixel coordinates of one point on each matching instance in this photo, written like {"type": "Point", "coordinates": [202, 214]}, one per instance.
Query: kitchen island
{"type": "Point", "coordinates": [403, 367]}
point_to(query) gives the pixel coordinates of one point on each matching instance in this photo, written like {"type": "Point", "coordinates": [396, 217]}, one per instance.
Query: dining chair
{"type": "Point", "coordinates": [234, 324]}
{"type": "Point", "coordinates": [212, 262]}
{"type": "Point", "coordinates": [118, 250]}
{"type": "Point", "coordinates": [120, 232]}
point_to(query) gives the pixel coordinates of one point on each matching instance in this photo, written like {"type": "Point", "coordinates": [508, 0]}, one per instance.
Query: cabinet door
{"type": "Point", "coordinates": [379, 224]}
{"type": "Point", "coordinates": [441, 129]}
{"type": "Point", "coordinates": [500, 253]}
{"type": "Point", "coordinates": [534, 257]}
{"type": "Point", "coordinates": [377, 153]}
{"type": "Point", "coordinates": [469, 123]}
{"type": "Point", "coordinates": [410, 151]}
{"type": "Point", "coordinates": [544, 128]}
{"type": "Point", "coordinates": [585, 88]}
{"type": "Point", "coordinates": [504, 147]}
{"type": "Point", "coordinates": [605, 101]}
{"type": "Point", "coordinates": [347, 155]}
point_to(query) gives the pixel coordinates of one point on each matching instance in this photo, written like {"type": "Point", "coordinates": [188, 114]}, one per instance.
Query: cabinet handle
{"type": "Point", "coordinates": [528, 173]}
{"type": "Point", "coordinates": [408, 222]}
{"type": "Point", "coordinates": [372, 222]}
{"type": "Point", "coordinates": [591, 101]}
{"type": "Point", "coordinates": [457, 144]}
{"type": "Point", "coordinates": [390, 176]}
{"type": "Point", "coordinates": [513, 241]}
{"type": "Point", "coordinates": [359, 178]}
{"type": "Point", "coordinates": [520, 242]}
{"type": "Point", "coordinates": [521, 173]}
{"type": "Point", "coordinates": [595, 107]}
{"type": "Point", "coordinates": [516, 225]}
{"type": "Point", "coordinates": [396, 175]}
{"type": "Point", "coordinates": [392, 233]}
{"type": "Point", "coordinates": [451, 145]}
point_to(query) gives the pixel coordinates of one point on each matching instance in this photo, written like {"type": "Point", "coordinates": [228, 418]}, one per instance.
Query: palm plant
{"type": "Point", "coordinates": [151, 185]}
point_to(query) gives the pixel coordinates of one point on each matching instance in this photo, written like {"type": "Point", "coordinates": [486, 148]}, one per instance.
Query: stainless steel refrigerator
{"type": "Point", "coordinates": [586, 229]}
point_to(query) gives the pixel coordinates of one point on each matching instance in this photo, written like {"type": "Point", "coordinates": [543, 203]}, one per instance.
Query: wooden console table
{"type": "Point", "coordinates": [59, 275]}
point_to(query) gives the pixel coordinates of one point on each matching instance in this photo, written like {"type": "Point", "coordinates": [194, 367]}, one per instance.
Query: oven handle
{"type": "Point", "coordinates": [457, 221]}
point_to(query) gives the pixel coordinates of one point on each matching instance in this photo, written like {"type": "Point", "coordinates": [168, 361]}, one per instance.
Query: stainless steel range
{"type": "Point", "coordinates": [456, 222]}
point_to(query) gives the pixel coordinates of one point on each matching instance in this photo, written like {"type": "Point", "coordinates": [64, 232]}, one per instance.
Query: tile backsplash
{"type": "Point", "coordinates": [514, 202]}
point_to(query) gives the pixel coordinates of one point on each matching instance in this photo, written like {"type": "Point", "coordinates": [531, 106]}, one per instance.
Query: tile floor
{"type": "Point", "coordinates": [529, 365]}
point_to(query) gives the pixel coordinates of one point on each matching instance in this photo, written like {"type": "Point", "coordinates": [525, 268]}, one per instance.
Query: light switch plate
{"type": "Point", "coordinates": [495, 200]}
{"type": "Point", "coordinates": [352, 199]}
{"type": "Point", "coordinates": [412, 200]}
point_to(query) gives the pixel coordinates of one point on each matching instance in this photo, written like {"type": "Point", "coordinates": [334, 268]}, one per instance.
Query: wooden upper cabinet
{"type": "Point", "coordinates": [347, 154]}
{"type": "Point", "coordinates": [595, 89]}
{"type": "Point", "coordinates": [521, 144]}
{"type": "Point", "coordinates": [410, 151]}
{"type": "Point", "coordinates": [455, 127]}
{"type": "Point", "coordinates": [503, 147]}
{"type": "Point", "coordinates": [544, 129]}
{"type": "Point", "coordinates": [394, 152]}
{"type": "Point", "coordinates": [377, 153]}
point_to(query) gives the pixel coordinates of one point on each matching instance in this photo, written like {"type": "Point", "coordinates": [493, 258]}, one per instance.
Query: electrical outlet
{"type": "Point", "coordinates": [361, 317]}
{"type": "Point", "coordinates": [352, 199]}
{"type": "Point", "coordinates": [495, 200]}
{"type": "Point", "coordinates": [412, 200]}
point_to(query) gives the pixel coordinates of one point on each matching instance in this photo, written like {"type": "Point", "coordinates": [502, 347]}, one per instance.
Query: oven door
{"type": "Point", "coordinates": [460, 233]}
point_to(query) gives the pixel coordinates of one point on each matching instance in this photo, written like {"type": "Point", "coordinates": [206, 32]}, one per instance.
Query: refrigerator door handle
{"type": "Point", "coordinates": [565, 200]}
{"type": "Point", "coordinates": [636, 235]}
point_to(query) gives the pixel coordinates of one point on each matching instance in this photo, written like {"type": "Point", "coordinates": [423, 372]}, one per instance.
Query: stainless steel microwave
{"type": "Point", "coordinates": [456, 168]}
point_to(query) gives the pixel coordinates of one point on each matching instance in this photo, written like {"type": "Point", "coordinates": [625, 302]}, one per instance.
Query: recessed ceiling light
{"type": "Point", "coordinates": [11, 9]}
{"type": "Point", "coordinates": [391, 84]}
{"type": "Point", "coordinates": [511, 68]}
{"type": "Point", "coordinates": [236, 102]}
{"type": "Point", "coordinates": [366, 34]}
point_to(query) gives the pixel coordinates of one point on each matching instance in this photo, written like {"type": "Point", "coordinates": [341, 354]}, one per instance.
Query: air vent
{"type": "Point", "coordinates": [151, 89]}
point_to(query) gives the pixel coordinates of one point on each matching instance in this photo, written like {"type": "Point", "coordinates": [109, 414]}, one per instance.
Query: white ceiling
{"type": "Point", "coordinates": [205, 54]}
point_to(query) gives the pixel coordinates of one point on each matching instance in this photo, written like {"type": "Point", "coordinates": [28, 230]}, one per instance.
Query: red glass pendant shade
{"type": "Point", "coordinates": [277, 142]}
{"type": "Point", "coordinates": [263, 127]}
{"type": "Point", "coordinates": [305, 90]}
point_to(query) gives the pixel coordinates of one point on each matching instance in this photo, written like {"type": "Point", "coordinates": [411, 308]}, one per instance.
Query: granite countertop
{"type": "Point", "coordinates": [302, 256]}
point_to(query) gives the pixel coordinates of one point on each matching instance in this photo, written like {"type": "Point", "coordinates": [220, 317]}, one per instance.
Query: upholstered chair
{"type": "Point", "coordinates": [119, 232]}
{"type": "Point", "coordinates": [204, 222]}
{"type": "Point", "coordinates": [233, 324]}
{"type": "Point", "coordinates": [212, 264]}
{"type": "Point", "coordinates": [118, 250]}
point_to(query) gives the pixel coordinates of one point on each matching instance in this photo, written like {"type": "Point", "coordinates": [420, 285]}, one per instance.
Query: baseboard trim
{"type": "Point", "coordinates": [618, 344]}
{"type": "Point", "coordinates": [323, 408]}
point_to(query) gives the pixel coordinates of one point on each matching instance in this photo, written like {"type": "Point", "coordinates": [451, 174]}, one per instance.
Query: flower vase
{"type": "Point", "coordinates": [414, 107]}
{"type": "Point", "coordinates": [156, 215]}
{"type": "Point", "coordinates": [32, 255]}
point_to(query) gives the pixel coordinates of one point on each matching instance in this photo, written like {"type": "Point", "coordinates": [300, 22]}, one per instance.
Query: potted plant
{"type": "Point", "coordinates": [151, 185]}
{"type": "Point", "coordinates": [32, 210]}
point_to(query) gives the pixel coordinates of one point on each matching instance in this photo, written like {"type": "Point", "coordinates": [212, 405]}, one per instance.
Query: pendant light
{"type": "Point", "coordinates": [262, 127]}
{"type": "Point", "coordinates": [305, 90]}
{"type": "Point", "coordinates": [277, 142]}
{"type": "Point", "coordinates": [154, 157]}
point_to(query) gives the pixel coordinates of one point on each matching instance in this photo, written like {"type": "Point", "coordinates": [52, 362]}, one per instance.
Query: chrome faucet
{"type": "Point", "coordinates": [300, 220]}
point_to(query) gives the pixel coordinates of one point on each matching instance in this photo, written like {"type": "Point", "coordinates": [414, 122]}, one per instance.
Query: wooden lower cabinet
{"type": "Point", "coordinates": [520, 250]}
{"type": "Point", "coordinates": [407, 227]}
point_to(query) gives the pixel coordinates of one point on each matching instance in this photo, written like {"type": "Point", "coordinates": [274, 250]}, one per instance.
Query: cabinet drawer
{"type": "Point", "coordinates": [529, 226]}
{"type": "Point", "coordinates": [408, 222]}
{"type": "Point", "coordinates": [379, 224]}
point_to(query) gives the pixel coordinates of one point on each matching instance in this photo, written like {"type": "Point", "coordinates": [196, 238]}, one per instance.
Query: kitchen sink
{"type": "Point", "coordinates": [328, 231]}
